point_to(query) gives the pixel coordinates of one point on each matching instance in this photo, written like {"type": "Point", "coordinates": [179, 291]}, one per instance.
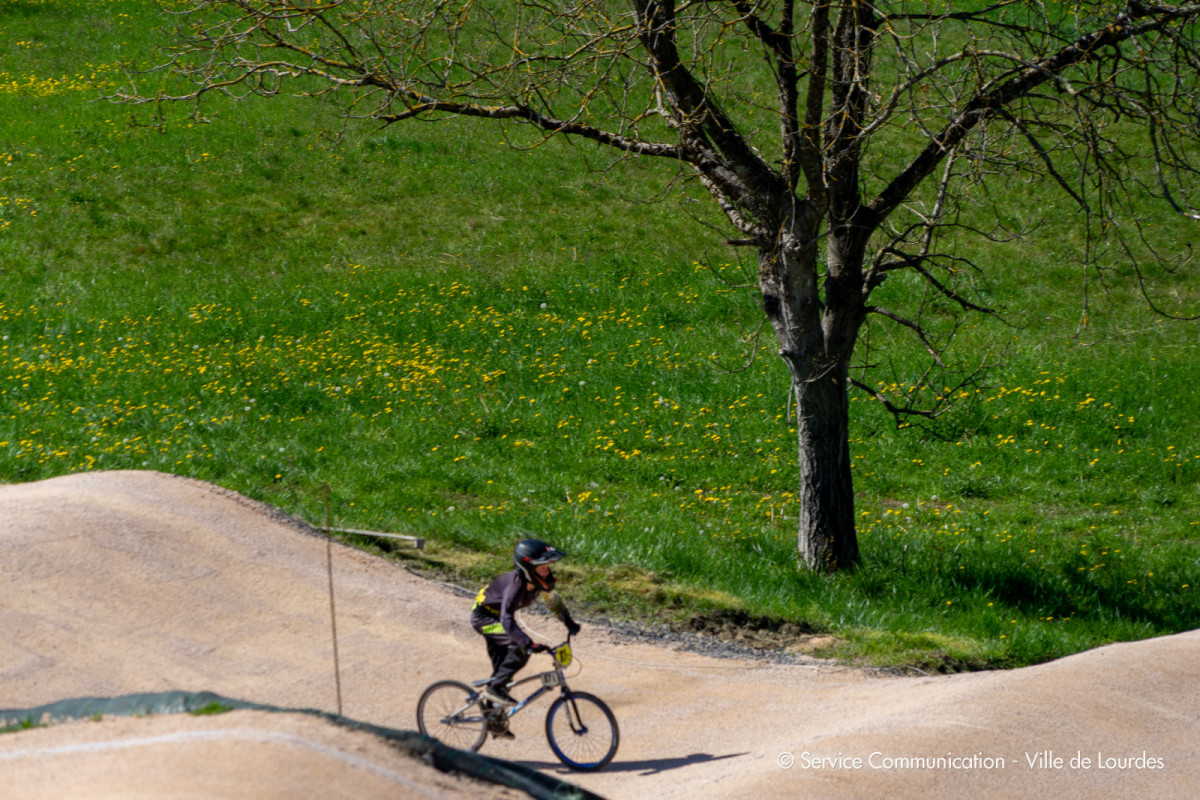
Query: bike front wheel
{"type": "Point", "coordinates": [582, 731]}
{"type": "Point", "coordinates": [449, 711]}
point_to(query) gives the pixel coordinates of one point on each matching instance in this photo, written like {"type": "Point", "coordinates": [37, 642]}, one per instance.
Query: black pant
{"type": "Point", "coordinates": [507, 656]}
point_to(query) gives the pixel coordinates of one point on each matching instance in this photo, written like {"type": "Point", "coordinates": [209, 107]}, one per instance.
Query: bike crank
{"type": "Point", "coordinates": [497, 721]}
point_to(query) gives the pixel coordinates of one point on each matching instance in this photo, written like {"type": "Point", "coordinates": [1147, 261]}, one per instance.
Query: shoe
{"type": "Point", "coordinates": [504, 734]}
{"type": "Point", "coordinates": [500, 696]}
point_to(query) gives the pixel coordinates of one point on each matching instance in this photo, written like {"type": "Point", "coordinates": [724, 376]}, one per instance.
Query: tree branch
{"type": "Point", "coordinates": [429, 105]}
{"type": "Point", "coordinates": [991, 101]}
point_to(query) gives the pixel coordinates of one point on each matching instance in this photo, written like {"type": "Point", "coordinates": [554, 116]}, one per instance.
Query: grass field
{"type": "Point", "coordinates": [467, 342]}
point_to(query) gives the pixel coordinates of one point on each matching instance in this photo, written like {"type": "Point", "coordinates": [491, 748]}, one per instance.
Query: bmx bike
{"type": "Point", "coordinates": [580, 727]}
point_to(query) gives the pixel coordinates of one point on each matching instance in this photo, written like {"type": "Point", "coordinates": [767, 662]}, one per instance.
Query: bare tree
{"type": "Point", "coordinates": [841, 140]}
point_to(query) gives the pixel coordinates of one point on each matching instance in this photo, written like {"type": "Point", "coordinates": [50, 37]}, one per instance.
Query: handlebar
{"type": "Point", "coordinates": [545, 648]}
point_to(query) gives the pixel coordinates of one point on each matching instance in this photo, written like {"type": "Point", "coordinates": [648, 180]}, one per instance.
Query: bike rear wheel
{"type": "Point", "coordinates": [582, 731]}
{"type": "Point", "coordinates": [449, 711]}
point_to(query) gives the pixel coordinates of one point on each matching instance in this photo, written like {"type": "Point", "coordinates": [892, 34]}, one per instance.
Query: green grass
{"type": "Point", "coordinates": [212, 709]}
{"type": "Point", "coordinates": [26, 724]}
{"type": "Point", "coordinates": [467, 343]}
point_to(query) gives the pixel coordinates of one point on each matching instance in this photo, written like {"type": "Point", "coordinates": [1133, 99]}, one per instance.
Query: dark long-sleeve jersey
{"type": "Point", "coordinates": [499, 600]}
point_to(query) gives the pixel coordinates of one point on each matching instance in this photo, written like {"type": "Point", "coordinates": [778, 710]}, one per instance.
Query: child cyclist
{"type": "Point", "coordinates": [492, 615]}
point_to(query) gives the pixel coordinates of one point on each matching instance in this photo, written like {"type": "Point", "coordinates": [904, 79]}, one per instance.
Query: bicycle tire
{"type": "Point", "coordinates": [582, 731]}
{"type": "Point", "coordinates": [447, 713]}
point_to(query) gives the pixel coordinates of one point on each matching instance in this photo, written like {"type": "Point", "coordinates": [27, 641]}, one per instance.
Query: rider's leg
{"type": "Point", "coordinates": [514, 659]}
{"type": "Point", "coordinates": [508, 658]}
{"type": "Point", "coordinates": [497, 652]}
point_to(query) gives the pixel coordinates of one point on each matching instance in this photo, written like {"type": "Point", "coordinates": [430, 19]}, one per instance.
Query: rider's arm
{"type": "Point", "coordinates": [556, 605]}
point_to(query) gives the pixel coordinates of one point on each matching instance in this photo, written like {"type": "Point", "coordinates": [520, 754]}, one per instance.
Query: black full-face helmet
{"type": "Point", "coordinates": [531, 553]}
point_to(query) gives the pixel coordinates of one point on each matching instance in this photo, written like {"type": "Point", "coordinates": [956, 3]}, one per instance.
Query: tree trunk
{"type": "Point", "coordinates": [816, 339]}
{"type": "Point", "coordinates": [827, 539]}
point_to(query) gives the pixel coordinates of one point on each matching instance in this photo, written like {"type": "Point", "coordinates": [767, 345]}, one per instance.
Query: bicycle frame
{"type": "Point", "coordinates": [551, 679]}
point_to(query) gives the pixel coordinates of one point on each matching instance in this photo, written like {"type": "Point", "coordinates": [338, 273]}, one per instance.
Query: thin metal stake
{"type": "Point", "coordinates": [337, 670]}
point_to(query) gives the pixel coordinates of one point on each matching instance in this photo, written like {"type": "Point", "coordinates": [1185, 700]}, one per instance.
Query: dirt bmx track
{"type": "Point", "coordinates": [122, 582]}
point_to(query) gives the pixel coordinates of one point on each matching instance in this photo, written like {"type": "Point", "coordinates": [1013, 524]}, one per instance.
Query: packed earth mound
{"type": "Point", "coordinates": [134, 582]}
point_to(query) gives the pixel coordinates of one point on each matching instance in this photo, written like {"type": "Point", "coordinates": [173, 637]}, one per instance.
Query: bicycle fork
{"type": "Point", "coordinates": [573, 718]}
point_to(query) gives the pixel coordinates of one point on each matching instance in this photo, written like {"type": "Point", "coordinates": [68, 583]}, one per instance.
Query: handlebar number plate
{"type": "Point", "coordinates": [563, 655]}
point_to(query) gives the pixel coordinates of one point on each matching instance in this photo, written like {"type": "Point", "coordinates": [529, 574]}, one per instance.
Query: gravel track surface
{"type": "Point", "coordinates": [120, 582]}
